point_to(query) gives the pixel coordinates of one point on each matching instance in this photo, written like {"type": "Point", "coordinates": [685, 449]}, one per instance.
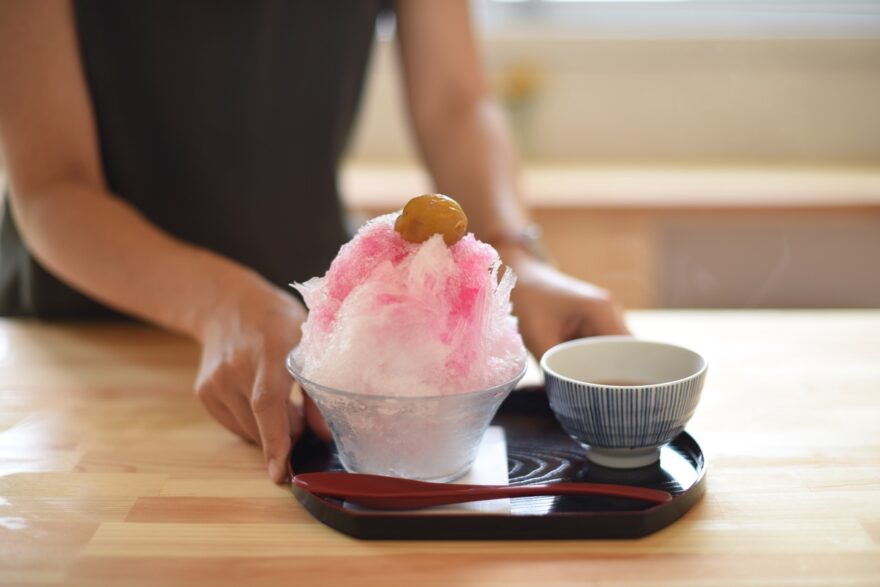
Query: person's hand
{"type": "Point", "coordinates": [242, 380]}
{"type": "Point", "coordinates": [553, 307]}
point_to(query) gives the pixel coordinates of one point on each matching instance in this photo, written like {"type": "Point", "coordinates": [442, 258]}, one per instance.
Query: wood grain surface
{"type": "Point", "coordinates": [112, 474]}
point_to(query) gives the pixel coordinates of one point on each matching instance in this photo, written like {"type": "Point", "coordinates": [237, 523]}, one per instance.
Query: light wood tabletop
{"type": "Point", "coordinates": [111, 473]}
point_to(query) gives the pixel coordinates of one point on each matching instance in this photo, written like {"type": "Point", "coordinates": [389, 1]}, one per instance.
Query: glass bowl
{"type": "Point", "coordinates": [431, 438]}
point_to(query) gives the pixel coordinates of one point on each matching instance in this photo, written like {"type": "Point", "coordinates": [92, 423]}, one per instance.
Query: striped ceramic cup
{"type": "Point", "coordinates": [623, 398]}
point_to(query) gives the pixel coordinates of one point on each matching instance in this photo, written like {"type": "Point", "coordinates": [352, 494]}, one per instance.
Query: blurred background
{"type": "Point", "coordinates": [691, 153]}
{"type": "Point", "coordinates": [683, 153]}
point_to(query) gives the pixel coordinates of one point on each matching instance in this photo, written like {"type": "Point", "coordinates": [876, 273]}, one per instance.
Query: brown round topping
{"type": "Point", "coordinates": [430, 214]}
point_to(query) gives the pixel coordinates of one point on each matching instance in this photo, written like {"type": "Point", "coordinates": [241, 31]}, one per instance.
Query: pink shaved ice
{"type": "Point", "coordinates": [396, 318]}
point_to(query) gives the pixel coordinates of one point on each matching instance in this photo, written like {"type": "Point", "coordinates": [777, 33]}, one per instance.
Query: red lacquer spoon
{"type": "Point", "coordinates": [392, 493]}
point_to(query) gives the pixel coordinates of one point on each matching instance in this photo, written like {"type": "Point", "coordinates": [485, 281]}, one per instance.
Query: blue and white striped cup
{"type": "Point", "coordinates": [622, 398]}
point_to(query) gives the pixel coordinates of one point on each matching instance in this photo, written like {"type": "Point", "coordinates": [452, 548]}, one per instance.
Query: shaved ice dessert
{"type": "Point", "coordinates": [393, 317]}
{"type": "Point", "coordinates": [410, 346]}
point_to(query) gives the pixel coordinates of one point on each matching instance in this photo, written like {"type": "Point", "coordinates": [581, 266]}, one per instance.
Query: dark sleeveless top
{"type": "Point", "coordinates": [223, 122]}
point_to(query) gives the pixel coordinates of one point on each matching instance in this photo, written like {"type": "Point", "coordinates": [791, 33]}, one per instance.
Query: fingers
{"type": "Point", "coordinates": [315, 420]}
{"type": "Point", "coordinates": [570, 318]}
{"type": "Point", "coordinates": [222, 414]}
{"type": "Point", "coordinates": [618, 324]}
{"type": "Point", "coordinates": [295, 418]}
{"type": "Point", "coordinates": [259, 411]}
{"type": "Point", "coordinates": [542, 340]}
{"type": "Point", "coordinates": [218, 392]}
{"type": "Point", "coordinates": [309, 413]}
{"type": "Point", "coordinates": [237, 403]}
{"type": "Point", "coordinates": [607, 318]}
{"type": "Point", "coordinates": [269, 403]}
{"type": "Point", "coordinates": [225, 392]}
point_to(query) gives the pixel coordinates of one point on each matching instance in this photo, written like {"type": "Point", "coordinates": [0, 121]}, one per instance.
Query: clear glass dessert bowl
{"type": "Point", "coordinates": [430, 438]}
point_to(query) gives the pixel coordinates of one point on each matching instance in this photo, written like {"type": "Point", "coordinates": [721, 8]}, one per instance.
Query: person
{"type": "Point", "coordinates": [176, 162]}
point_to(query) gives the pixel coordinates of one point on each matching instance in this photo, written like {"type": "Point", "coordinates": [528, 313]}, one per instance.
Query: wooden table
{"type": "Point", "coordinates": [111, 473]}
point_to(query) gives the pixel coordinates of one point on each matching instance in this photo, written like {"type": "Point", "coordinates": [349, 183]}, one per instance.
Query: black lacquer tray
{"type": "Point", "coordinates": [538, 451]}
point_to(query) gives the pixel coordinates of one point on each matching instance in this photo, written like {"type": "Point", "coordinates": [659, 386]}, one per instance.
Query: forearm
{"type": "Point", "coordinates": [105, 248]}
{"type": "Point", "coordinates": [471, 158]}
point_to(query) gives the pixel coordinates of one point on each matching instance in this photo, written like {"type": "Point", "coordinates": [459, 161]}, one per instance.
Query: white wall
{"type": "Point", "coordinates": [669, 101]}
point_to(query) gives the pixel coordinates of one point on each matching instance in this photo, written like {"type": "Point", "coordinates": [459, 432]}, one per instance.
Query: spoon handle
{"type": "Point", "coordinates": [408, 500]}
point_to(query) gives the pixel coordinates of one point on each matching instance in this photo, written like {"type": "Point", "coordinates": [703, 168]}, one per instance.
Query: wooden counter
{"type": "Point", "coordinates": [111, 473]}
{"type": "Point", "coordinates": [689, 237]}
